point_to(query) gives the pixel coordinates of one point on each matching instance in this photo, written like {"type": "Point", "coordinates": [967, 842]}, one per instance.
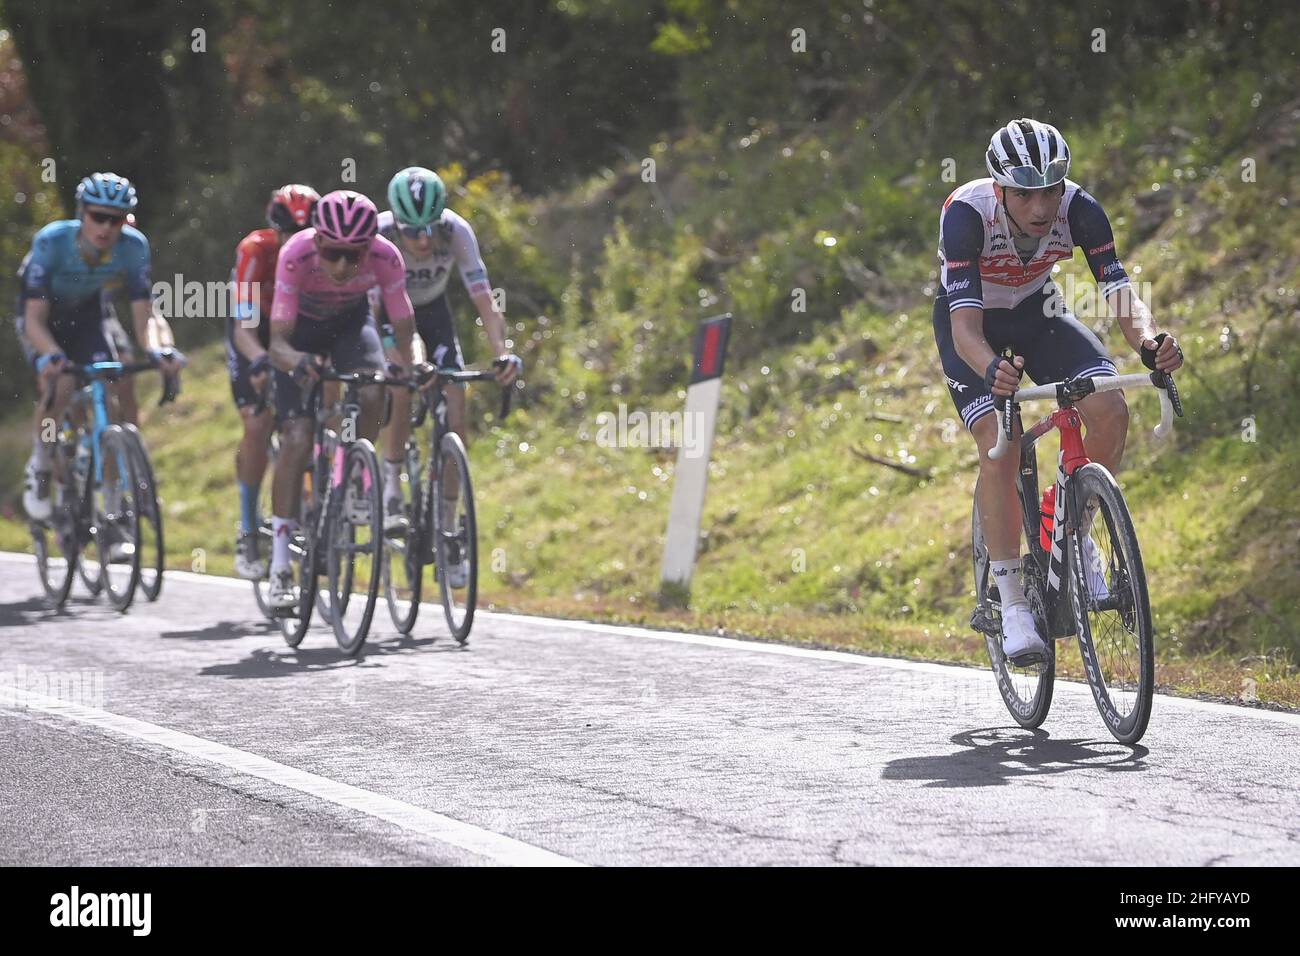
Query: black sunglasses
{"type": "Point", "coordinates": [334, 254]}
{"type": "Point", "coordinates": [106, 217]}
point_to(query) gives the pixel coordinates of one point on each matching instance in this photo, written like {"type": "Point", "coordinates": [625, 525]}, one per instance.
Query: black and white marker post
{"type": "Point", "coordinates": [692, 477]}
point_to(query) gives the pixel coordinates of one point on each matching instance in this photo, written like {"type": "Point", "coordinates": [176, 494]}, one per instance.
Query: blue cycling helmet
{"type": "Point", "coordinates": [106, 189]}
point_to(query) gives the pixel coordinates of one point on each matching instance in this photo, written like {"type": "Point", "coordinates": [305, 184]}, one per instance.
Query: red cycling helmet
{"type": "Point", "coordinates": [291, 207]}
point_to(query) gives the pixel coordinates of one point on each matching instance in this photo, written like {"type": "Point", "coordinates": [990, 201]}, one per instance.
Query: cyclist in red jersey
{"type": "Point", "coordinates": [248, 337]}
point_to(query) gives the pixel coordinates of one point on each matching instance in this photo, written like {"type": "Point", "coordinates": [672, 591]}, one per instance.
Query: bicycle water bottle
{"type": "Point", "coordinates": [1047, 517]}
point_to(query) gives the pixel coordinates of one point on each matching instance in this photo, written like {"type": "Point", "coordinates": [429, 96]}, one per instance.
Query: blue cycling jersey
{"type": "Point", "coordinates": [55, 269]}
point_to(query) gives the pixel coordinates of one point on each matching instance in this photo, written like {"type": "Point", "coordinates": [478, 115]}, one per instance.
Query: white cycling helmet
{"type": "Point", "coordinates": [1027, 154]}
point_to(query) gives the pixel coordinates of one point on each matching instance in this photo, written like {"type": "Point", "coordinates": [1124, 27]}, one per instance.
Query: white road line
{"type": "Point", "coordinates": [485, 843]}
{"type": "Point", "coordinates": [762, 647]}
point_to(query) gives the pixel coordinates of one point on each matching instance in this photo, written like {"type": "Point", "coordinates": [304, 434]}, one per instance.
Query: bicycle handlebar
{"type": "Point", "coordinates": [422, 375]}
{"type": "Point", "coordinates": [1073, 389]}
{"type": "Point", "coordinates": [112, 371]}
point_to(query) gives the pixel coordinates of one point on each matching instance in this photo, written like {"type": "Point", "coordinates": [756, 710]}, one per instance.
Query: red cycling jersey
{"type": "Point", "coordinates": [255, 260]}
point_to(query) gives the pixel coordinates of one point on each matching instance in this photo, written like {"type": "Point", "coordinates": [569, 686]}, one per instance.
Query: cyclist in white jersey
{"type": "Point", "coordinates": [433, 241]}
{"type": "Point", "coordinates": [999, 239]}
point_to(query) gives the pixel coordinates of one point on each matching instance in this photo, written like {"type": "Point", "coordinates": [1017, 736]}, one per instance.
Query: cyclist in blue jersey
{"type": "Point", "coordinates": [999, 239]}
{"type": "Point", "coordinates": [61, 311]}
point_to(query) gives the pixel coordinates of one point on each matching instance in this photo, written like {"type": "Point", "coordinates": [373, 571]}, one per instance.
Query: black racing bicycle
{"type": "Point", "coordinates": [341, 526]}
{"type": "Point", "coordinates": [438, 499]}
{"type": "Point", "coordinates": [1107, 606]}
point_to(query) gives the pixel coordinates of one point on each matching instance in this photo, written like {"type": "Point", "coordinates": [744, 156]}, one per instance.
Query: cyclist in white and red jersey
{"type": "Point", "coordinates": [999, 239]}
{"type": "Point", "coordinates": [433, 241]}
{"type": "Point", "coordinates": [321, 310]}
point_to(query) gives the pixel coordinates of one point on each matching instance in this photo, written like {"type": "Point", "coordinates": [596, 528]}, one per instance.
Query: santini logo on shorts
{"type": "Point", "coordinates": [103, 909]}
{"type": "Point", "coordinates": [959, 263]}
{"type": "Point", "coordinates": [1109, 245]}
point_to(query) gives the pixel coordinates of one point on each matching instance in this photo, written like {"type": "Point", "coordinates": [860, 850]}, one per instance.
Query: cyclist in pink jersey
{"type": "Point", "coordinates": [321, 313]}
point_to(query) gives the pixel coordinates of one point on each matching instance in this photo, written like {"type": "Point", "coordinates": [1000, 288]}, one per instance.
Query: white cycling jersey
{"type": "Point", "coordinates": [454, 242]}
{"type": "Point", "coordinates": [980, 265]}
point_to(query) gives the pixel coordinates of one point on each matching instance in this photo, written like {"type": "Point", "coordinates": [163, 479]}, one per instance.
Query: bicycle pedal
{"type": "Point", "coordinates": [1028, 659]}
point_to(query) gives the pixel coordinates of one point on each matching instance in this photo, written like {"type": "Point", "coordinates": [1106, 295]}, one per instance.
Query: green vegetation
{"type": "Point", "coordinates": [806, 539]}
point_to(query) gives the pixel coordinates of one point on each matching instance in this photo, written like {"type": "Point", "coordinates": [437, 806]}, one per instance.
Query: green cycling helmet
{"type": "Point", "coordinates": [416, 196]}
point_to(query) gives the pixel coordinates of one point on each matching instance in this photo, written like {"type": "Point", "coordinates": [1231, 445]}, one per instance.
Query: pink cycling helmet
{"type": "Point", "coordinates": [346, 216]}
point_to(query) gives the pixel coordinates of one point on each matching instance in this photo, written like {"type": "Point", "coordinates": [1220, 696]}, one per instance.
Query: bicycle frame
{"type": "Point", "coordinates": [1070, 458]}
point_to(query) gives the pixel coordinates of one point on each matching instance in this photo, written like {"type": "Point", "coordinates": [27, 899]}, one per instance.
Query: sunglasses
{"type": "Point", "coordinates": [415, 232]}
{"type": "Point", "coordinates": [1027, 177]}
{"type": "Point", "coordinates": [335, 253]}
{"type": "Point", "coordinates": [106, 217]}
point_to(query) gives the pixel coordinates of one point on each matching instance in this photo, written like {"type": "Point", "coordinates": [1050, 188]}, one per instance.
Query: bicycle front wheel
{"type": "Point", "coordinates": [455, 537]}
{"type": "Point", "coordinates": [117, 519]}
{"type": "Point", "coordinates": [152, 555]}
{"type": "Point", "coordinates": [356, 546]}
{"type": "Point", "coordinates": [1112, 609]}
{"type": "Point", "coordinates": [1026, 691]}
{"type": "Point", "coordinates": [404, 554]}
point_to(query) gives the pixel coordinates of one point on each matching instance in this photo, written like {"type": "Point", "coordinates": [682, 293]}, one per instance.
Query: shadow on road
{"type": "Point", "coordinates": [287, 661]}
{"type": "Point", "coordinates": [223, 631]}
{"type": "Point", "coordinates": [38, 610]}
{"type": "Point", "coordinates": [994, 756]}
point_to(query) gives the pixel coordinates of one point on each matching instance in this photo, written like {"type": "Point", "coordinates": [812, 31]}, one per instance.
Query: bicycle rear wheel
{"type": "Point", "coordinates": [455, 537]}
{"type": "Point", "coordinates": [403, 554]}
{"type": "Point", "coordinates": [55, 542]}
{"type": "Point", "coordinates": [356, 546]}
{"type": "Point", "coordinates": [153, 557]}
{"type": "Point", "coordinates": [1116, 637]}
{"type": "Point", "coordinates": [1026, 691]}
{"type": "Point", "coordinates": [117, 519]}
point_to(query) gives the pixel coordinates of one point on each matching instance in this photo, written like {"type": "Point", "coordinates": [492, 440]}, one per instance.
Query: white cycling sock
{"type": "Point", "coordinates": [1007, 576]}
{"type": "Point", "coordinates": [281, 534]}
{"type": "Point", "coordinates": [392, 478]}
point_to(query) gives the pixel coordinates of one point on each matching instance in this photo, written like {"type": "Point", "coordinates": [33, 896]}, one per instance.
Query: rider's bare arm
{"type": "Point", "coordinates": [36, 316]}
{"type": "Point", "coordinates": [494, 322]}
{"type": "Point", "coordinates": [283, 355]}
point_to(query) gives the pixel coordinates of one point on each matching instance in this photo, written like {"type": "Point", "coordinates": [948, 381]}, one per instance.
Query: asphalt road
{"type": "Point", "coordinates": [186, 732]}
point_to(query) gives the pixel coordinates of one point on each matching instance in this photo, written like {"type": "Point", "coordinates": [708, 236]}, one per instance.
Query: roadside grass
{"type": "Point", "coordinates": [805, 538]}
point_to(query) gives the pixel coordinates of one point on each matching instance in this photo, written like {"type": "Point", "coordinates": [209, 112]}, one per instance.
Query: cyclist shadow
{"type": "Point", "coordinates": [994, 756]}
{"type": "Point", "coordinates": [288, 662]}
{"type": "Point", "coordinates": [38, 610]}
{"type": "Point", "coordinates": [31, 611]}
{"type": "Point", "coordinates": [223, 631]}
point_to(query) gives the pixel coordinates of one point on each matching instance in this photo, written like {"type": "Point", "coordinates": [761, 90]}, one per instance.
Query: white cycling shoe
{"type": "Point", "coordinates": [1021, 642]}
{"type": "Point", "coordinates": [1094, 570]}
{"type": "Point", "coordinates": [248, 563]}
{"type": "Point", "coordinates": [395, 520]}
{"type": "Point", "coordinates": [284, 594]}
{"type": "Point", "coordinates": [38, 492]}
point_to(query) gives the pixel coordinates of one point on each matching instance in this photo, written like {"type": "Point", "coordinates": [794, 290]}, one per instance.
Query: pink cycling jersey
{"type": "Point", "coordinates": [303, 287]}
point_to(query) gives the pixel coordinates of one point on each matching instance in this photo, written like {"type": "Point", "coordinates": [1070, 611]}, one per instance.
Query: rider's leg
{"type": "Point", "coordinates": [1105, 420]}
{"type": "Point", "coordinates": [995, 493]}
{"type": "Point", "coordinates": [372, 411]}
{"type": "Point", "coordinates": [250, 464]}
{"type": "Point", "coordinates": [123, 393]}
{"type": "Point", "coordinates": [286, 485]}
